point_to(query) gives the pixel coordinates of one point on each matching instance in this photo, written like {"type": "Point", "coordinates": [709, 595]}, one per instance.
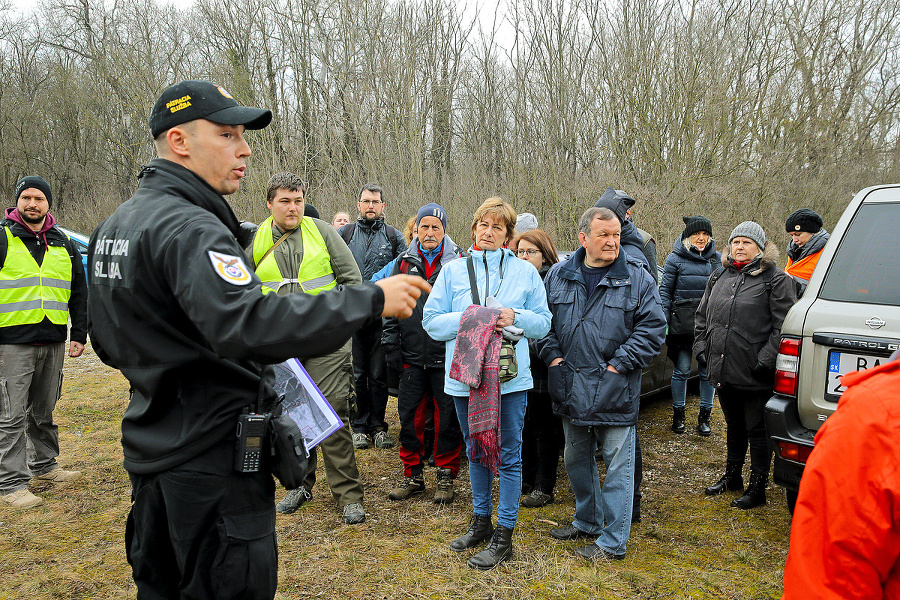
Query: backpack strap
{"type": "Point", "coordinates": [347, 233]}
{"type": "Point", "coordinates": [4, 245]}
{"type": "Point", "coordinates": [394, 236]}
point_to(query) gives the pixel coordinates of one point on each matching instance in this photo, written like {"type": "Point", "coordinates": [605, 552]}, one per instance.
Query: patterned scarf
{"type": "Point", "coordinates": [475, 363]}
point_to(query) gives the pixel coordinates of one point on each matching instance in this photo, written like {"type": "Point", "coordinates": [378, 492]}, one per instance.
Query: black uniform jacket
{"type": "Point", "coordinates": [175, 307]}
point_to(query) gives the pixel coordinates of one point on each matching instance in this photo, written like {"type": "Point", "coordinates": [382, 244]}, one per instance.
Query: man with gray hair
{"type": "Point", "coordinates": [607, 325]}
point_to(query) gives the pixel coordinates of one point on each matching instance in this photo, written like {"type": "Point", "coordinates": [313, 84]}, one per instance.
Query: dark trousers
{"type": "Point", "coordinates": [744, 412]}
{"type": "Point", "coordinates": [369, 372]}
{"type": "Point", "coordinates": [203, 531]}
{"type": "Point", "coordinates": [542, 440]}
{"type": "Point", "coordinates": [420, 387]}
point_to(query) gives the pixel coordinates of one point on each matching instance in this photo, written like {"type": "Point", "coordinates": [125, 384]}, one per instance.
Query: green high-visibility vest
{"type": "Point", "coordinates": [315, 274]}
{"type": "Point", "coordinates": [30, 292]}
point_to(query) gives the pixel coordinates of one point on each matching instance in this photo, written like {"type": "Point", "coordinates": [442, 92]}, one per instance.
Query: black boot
{"type": "Point", "coordinates": [703, 422]}
{"type": "Point", "coordinates": [755, 494]}
{"type": "Point", "coordinates": [480, 529]}
{"type": "Point", "coordinates": [731, 481]}
{"type": "Point", "coordinates": [678, 419]}
{"type": "Point", "coordinates": [496, 552]}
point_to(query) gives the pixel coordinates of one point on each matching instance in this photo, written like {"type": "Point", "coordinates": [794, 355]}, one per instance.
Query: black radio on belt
{"type": "Point", "coordinates": [251, 433]}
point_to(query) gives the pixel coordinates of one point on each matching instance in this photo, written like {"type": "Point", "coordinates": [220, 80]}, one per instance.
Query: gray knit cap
{"type": "Point", "coordinates": [749, 229]}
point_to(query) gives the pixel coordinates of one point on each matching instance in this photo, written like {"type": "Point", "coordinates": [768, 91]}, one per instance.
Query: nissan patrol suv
{"type": "Point", "coordinates": [848, 319]}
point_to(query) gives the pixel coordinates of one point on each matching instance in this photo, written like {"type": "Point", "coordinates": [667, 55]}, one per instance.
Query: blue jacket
{"type": "Point", "coordinates": [686, 272]}
{"type": "Point", "coordinates": [619, 324]}
{"type": "Point", "coordinates": [520, 289]}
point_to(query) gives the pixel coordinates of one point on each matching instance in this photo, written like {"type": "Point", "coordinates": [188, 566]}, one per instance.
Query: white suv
{"type": "Point", "coordinates": [847, 320]}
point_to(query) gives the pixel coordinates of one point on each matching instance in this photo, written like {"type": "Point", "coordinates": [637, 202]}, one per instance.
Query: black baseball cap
{"type": "Point", "coordinates": [194, 99]}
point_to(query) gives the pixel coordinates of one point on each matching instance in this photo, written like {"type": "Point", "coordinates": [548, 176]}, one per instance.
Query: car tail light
{"type": "Point", "coordinates": [786, 366]}
{"type": "Point", "coordinates": [795, 452]}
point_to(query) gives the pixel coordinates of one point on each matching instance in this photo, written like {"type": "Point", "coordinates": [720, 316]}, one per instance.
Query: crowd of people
{"type": "Point", "coordinates": [497, 346]}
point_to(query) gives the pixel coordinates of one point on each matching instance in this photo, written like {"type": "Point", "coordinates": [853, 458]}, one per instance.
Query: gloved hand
{"type": "Point", "coordinates": [763, 373]}
{"type": "Point", "coordinates": [394, 360]}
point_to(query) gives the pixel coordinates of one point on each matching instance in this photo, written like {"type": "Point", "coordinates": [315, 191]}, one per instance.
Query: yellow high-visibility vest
{"type": "Point", "coordinates": [30, 292]}
{"type": "Point", "coordinates": [315, 274]}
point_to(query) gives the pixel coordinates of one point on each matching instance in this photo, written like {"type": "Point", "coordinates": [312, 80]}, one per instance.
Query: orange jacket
{"type": "Point", "coordinates": [803, 268]}
{"type": "Point", "coordinates": [845, 536]}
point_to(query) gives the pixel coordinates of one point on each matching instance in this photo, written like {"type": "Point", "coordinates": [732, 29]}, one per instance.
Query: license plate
{"type": "Point", "coordinates": [840, 363]}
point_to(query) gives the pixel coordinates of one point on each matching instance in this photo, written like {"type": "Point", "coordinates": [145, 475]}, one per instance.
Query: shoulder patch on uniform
{"type": "Point", "coordinates": [230, 268]}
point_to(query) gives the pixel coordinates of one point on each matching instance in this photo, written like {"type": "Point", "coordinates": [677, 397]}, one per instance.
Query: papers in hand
{"type": "Point", "coordinates": [304, 403]}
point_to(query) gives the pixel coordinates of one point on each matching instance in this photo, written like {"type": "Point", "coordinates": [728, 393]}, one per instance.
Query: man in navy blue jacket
{"type": "Point", "coordinates": [607, 326]}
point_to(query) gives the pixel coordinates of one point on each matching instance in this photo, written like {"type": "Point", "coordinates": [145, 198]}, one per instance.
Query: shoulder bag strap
{"type": "Point", "coordinates": [283, 237]}
{"type": "Point", "coordinates": [473, 284]}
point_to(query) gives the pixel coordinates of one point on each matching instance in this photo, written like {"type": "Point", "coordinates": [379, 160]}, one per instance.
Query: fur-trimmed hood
{"type": "Point", "coordinates": [767, 259]}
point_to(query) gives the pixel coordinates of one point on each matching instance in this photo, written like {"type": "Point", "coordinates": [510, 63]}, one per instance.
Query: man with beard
{"type": "Point", "coordinates": [42, 284]}
{"type": "Point", "coordinates": [374, 244]}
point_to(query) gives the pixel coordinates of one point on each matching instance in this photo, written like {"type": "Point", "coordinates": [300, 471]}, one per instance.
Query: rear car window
{"type": "Point", "coordinates": [865, 267]}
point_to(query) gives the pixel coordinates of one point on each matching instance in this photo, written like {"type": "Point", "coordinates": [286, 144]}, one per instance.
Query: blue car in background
{"type": "Point", "coordinates": [81, 242]}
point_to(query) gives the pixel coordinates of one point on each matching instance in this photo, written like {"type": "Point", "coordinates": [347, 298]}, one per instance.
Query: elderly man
{"type": "Point", "coordinates": [607, 326]}
{"type": "Point", "coordinates": [176, 309]}
{"type": "Point", "coordinates": [374, 244]}
{"type": "Point", "coordinates": [42, 284]}
{"type": "Point", "coordinates": [294, 253]}
{"type": "Point", "coordinates": [808, 239]}
{"type": "Point", "coordinates": [420, 360]}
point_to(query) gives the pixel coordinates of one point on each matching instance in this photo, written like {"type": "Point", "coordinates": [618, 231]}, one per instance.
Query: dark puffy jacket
{"type": "Point", "coordinates": [407, 335]}
{"type": "Point", "coordinates": [538, 366]}
{"type": "Point", "coordinates": [738, 322]}
{"type": "Point", "coordinates": [619, 324]}
{"type": "Point", "coordinates": [373, 244]}
{"type": "Point", "coordinates": [686, 273]}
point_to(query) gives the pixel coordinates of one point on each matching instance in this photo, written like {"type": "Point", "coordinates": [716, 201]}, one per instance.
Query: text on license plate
{"type": "Point", "coordinates": [840, 363]}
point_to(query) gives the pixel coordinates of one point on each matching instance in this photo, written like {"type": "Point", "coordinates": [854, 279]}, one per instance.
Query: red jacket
{"type": "Point", "coordinates": [845, 536]}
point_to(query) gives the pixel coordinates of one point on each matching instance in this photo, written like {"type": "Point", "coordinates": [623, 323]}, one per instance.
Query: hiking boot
{"type": "Point", "coordinates": [408, 487]}
{"type": "Point", "coordinates": [536, 499]}
{"type": "Point", "coordinates": [498, 550]}
{"type": "Point", "coordinates": [444, 493]}
{"type": "Point", "coordinates": [731, 481]}
{"type": "Point", "coordinates": [360, 441]}
{"type": "Point", "coordinates": [58, 476]}
{"type": "Point", "coordinates": [480, 529]}
{"type": "Point", "coordinates": [22, 499]}
{"type": "Point", "coordinates": [294, 500]}
{"type": "Point", "coordinates": [383, 440]}
{"type": "Point", "coordinates": [354, 514]}
{"type": "Point", "coordinates": [755, 495]}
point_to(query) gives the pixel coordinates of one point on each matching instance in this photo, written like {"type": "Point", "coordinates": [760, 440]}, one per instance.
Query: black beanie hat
{"type": "Point", "coordinates": [310, 211]}
{"type": "Point", "coordinates": [695, 224]}
{"type": "Point", "coordinates": [803, 219]}
{"type": "Point", "coordinates": [37, 182]}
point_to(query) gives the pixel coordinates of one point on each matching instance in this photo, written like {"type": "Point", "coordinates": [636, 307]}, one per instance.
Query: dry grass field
{"type": "Point", "coordinates": [686, 546]}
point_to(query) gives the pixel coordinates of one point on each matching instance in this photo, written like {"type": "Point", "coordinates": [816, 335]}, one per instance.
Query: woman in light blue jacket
{"type": "Point", "coordinates": [516, 286]}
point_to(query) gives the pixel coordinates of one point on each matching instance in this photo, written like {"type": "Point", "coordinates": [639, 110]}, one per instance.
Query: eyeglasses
{"type": "Point", "coordinates": [372, 202]}
{"type": "Point", "coordinates": [529, 252]}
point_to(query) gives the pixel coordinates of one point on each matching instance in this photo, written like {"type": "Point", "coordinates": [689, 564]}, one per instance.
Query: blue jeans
{"type": "Point", "coordinates": [602, 510]}
{"type": "Point", "coordinates": [512, 420]}
{"type": "Point", "coordinates": [679, 381]}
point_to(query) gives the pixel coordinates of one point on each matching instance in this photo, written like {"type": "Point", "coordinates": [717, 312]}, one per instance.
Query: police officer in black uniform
{"type": "Point", "coordinates": [174, 306]}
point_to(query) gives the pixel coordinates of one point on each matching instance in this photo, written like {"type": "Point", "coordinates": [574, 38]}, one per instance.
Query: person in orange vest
{"type": "Point", "coordinates": [845, 536]}
{"type": "Point", "coordinates": [808, 238]}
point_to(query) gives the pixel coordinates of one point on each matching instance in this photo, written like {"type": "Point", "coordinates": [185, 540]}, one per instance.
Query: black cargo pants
{"type": "Point", "coordinates": [202, 530]}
